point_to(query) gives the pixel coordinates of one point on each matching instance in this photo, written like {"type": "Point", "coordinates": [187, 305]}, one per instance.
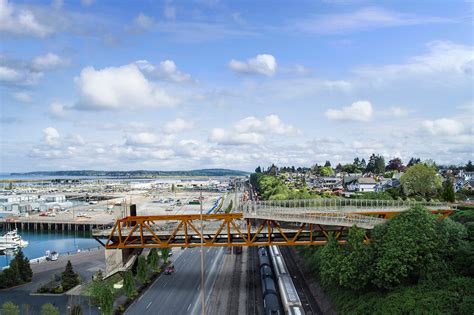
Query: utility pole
{"type": "Point", "coordinates": [203, 304]}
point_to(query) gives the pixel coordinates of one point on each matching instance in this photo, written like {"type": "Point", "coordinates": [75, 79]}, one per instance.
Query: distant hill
{"type": "Point", "coordinates": [138, 173]}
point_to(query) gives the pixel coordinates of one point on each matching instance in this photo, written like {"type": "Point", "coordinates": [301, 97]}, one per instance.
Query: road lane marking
{"type": "Point", "coordinates": [188, 307]}
{"type": "Point", "coordinates": [149, 305]}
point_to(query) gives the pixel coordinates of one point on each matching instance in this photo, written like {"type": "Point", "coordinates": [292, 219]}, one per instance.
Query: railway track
{"type": "Point", "coordinates": [310, 305]}
{"type": "Point", "coordinates": [252, 276]}
{"type": "Point", "coordinates": [233, 305]}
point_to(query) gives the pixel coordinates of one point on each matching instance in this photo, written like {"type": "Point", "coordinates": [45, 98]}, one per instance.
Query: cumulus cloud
{"type": "Point", "coordinates": [362, 20]}
{"type": "Point", "coordinates": [19, 21]}
{"type": "Point", "coordinates": [358, 111]}
{"type": "Point", "coordinates": [178, 125]}
{"type": "Point", "coordinates": [118, 88]}
{"type": "Point", "coordinates": [142, 22]}
{"type": "Point", "coordinates": [22, 97]}
{"type": "Point", "coordinates": [262, 64]}
{"type": "Point", "coordinates": [51, 136]}
{"type": "Point", "coordinates": [443, 127]}
{"type": "Point", "coordinates": [166, 70]}
{"type": "Point", "coordinates": [251, 130]}
{"type": "Point", "coordinates": [48, 62]}
{"type": "Point", "coordinates": [444, 60]}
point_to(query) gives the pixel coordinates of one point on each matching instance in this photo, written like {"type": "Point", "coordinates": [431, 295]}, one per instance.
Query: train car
{"type": "Point", "coordinates": [271, 302]}
{"type": "Point", "coordinates": [289, 296]}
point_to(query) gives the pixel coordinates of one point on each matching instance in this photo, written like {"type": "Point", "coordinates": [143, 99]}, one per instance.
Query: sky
{"type": "Point", "coordinates": [178, 85]}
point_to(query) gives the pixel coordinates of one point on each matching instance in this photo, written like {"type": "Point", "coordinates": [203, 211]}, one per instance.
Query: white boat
{"type": "Point", "coordinates": [12, 240]}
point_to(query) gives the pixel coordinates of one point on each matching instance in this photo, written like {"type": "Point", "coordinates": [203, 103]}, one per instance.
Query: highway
{"type": "Point", "coordinates": [180, 292]}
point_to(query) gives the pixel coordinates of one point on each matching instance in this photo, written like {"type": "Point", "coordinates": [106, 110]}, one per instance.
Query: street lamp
{"type": "Point", "coordinates": [203, 306]}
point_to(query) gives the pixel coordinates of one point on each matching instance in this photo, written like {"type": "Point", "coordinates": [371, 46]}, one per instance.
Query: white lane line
{"type": "Point", "coordinates": [188, 307]}
{"type": "Point", "coordinates": [149, 305]}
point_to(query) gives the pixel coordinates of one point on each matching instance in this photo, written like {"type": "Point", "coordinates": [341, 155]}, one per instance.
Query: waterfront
{"type": "Point", "coordinates": [60, 241]}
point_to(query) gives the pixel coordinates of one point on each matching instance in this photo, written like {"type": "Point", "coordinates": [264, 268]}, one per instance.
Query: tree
{"type": "Point", "coordinates": [338, 167]}
{"type": "Point", "coordinates": [330, 262]}
{"type": "Point", "coordinates": [49, 309]}
{"type": "Point", "coordinates": [8, 308]}
{"type": "Point", "coordinates": [21, 265]}
{"type": "Point", "coordinates": [350, 168]}
{"type": "Point", "coordinates": [152, 259]}
{"type": "Point", "coordinates": [103, 294]}
{"type": "Point", "coordinates": [327, 164]}
{"type": "Point", "coordinates": [165, 254]}
{"type": "Point", "coordinates": [69, 279]}
{"type": "Point", "coordinates": [380, 165]}
{"type": "Point", "coordinates": [327, 171]}
{"type": "Point", "coordinates": [142, 269]}
{"type": "Point", "coordinates": [395, 164]}
{"type": "Point", "coordinates": [129, 284]}
{"type": "Point", "coordinates": [258, 169]}
{"type": "Point", "coordinates": [448, 191]}
{"type": "Point", "coordinates": [469, 167]}
{"type": "Point", "coordinates": [420, 180]}
{"type": "Point", "coordinates": [371, 164]}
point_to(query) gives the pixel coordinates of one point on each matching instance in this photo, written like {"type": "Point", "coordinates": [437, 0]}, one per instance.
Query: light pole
{"type": "Point", "coordinates": [203, 306]}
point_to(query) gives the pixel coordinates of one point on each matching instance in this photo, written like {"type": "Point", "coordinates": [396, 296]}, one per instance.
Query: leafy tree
{"type": "Point", "coordinates": [406, 248]}
{"type": "Point", "coordinates": [448, 191]}
{"type": "Point", "coordinates": [49, 309]}
{"type": "Point", "coordinates": [8, 308]}
{"type": "Point", "coordinates": [165, 254]}
{"type": "Point", "coordinates": [469, 167]}
{"type": "Point", "coordinates": [327, 171]}
{"type": "Point", "coordinates": [420, 180]}
{"type": "Point", "coordinates": [69, 279]}
{"type": "Point", "coordinates": [327, 164]}
{"type": "Point", "coordinates": [103, 294]}
{"type": "Point", "coordinates": [379, 164]}
{"type": "Point", "coordinates": [153, 259]}
{"type": "Point", "coordinates": [395, 164]}
{"type": "Point", "coordinates": [350, 168]}
{"type": "Point", "coordinates": [21, 265]}
{"type": "Point", "coordinates": [142, 269]}
{"type": "Point", "coordinates": [129, 284]}
{"type": "Point", "coordinates": [330, 262]}
{"type": "Point", "coordinates": [413, 161]}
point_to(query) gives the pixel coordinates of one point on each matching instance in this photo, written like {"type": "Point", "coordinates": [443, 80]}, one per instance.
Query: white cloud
{"type": "Point", "coordinates": [169, 12]}
{"type": "Point", "coordinates": [262, 64]}
{"type": "Point", "coordinates": [87, 3]}
{"type": "Point", "coordinates": [444, 62]}
{"type": "Point", "coordinates": [48, 62]}
{"type": "Point", "coordinates": [119, 87]}
{"type": "Point", "coordinates": [362, 20]}
{"type": "Point", "coordinates": [22, 97]}
{"type": "Point", "coordinates": [19, 75]}
{"type": "Point", "coordinates": [224, 137]}
{"type": "Point", "coordinates": [51, 136]}
{"type": "Point", "coordinates": [166, 70]}
{"type": "Point", "coordinates": [143, 22]}
{"type": "Point", "coordinates": [251, 130]}
{"type": "Point", "coordinates": [398, 111]}
{"type": "Point", "coordinates": [178, 125]}
{"type": "Point", "coordinates": [19, 21]}
{"type": "Point", "coordinates": [57, 110]}
{"type": "Point", "coordinates": [358, 111]}
{"type": "Point", "coordinates": [443, 127]}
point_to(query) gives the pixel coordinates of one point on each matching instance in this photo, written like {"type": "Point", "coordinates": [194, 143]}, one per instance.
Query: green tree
{"type": "Point", "coordinates": [103, 294]}
{"type": "Point", "coordinates": [327, 164]}
{"type": "Point", "coordinates": [142, 269]}
{"type": "Point", "coordinates": [405, 249]}
{"type": "Point", "coordinates": [129, 284]}
{"type": "Point", "coordinates": [469, 167]}
{"type": "Point", "coordinates": [327, 171]}
{"type": "Point", "coordinates": [153, 260]}
{"type": "Point", "coordinates": [69, 278]}
{"type": "Point", "coordinates": [49, 309]}
{"type": "Point", "coordinates": [380, 165]}
{"type": "Point", "coordinates": [420, 180]}
{"type": "Point", "coordinates": [448, 191]}
{"type": "Point", "coordinates": [330, 262]}
{"type": "Point", "coordinates": [165, 254]}
{"type": "Point", "coordinates": [8, 308]}
{"type": "Point", "coordinates": [22, 267]}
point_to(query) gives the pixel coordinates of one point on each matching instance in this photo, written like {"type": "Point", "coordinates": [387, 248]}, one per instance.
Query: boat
{"type": "Point", "coordinates": [12, 239]}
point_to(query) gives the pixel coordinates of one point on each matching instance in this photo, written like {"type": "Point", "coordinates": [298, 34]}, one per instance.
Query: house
{"type": "Point", "coordinates": [362, 184]}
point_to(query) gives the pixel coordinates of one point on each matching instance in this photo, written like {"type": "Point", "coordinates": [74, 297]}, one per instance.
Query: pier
{"type": "Point", "coordinates": [50, 225]}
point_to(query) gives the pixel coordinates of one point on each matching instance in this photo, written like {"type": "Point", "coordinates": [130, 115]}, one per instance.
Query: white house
{"type": "Point", "coordinates": [362, 184]}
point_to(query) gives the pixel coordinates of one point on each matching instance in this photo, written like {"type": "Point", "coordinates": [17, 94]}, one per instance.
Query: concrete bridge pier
{"type": "Point", "coordinates": [119, 260]}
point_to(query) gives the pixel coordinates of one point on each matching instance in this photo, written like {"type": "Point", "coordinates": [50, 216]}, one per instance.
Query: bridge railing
{"type": "Point", "coordinates": [340, 204]}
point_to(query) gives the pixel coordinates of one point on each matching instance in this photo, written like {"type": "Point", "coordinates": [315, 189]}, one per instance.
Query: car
{"type": "Point", "coordinates": [169, 270]}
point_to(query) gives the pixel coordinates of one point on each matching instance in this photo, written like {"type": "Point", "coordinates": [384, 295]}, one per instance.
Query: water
{"type": "Point", "coordinates": [60, 241]}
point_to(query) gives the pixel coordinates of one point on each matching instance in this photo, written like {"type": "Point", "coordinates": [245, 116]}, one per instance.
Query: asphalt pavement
{"type": "Point", "coordinates": [180, 292]}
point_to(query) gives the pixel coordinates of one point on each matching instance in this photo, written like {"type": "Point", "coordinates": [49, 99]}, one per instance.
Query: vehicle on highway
{"type": "Point", "coordinates": [169, 270]}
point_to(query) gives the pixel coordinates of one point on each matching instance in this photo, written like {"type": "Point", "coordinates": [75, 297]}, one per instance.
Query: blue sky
{"type": "Point", "coordinates": [120, 85]}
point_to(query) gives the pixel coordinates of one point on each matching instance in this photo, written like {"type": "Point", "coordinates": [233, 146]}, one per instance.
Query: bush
{"type": "Point", "coordinates": [8, 308]}
{"type": "Point", "coordinates": [49, 309]}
